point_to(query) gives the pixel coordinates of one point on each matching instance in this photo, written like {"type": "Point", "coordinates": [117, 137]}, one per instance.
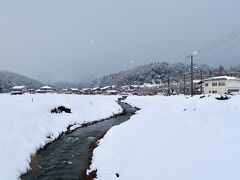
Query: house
{"type": "Point", "coordinates": [31, 91]}
{"type": "Point", "coordinates": [74, 90]}
{"type": "Point", "coordinates": [45, 89]}
{"type": "Point", "coordinates": [221, 85]}
{"type": "Point", "coordinates": [96, 90]}
{"type": "Point", "coordinates": [104, 89]}
{"type": "Point", "coordinates": [86, 91]}
{"type": "Point", "coordinates": [18, 90]}
{"type": "Point", "coordinates": [64, 91]}
{"type": "Point", "coordinates": [111, 92]}
{"type": "Point", "coordinates": [70, 91]}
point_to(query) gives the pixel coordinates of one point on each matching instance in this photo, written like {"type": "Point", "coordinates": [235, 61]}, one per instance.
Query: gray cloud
{"type": "Point", "coordinates": [74, 40]}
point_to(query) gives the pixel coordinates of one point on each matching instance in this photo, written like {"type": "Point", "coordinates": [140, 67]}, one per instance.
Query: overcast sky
{"type": "Point", "coordinates": [74, 40]}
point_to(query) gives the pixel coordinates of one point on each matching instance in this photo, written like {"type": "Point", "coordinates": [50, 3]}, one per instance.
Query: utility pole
{"type": "Point", "coordinates": [184, 84]}
{"type": "Point", "coordinates": [191, 75]}
{"type": "Point", "coordinates": [168, 83]}
{"type": "Point", "coordinates": [201, 80]}
{"type": "Point", "coordinates": [1, 87]}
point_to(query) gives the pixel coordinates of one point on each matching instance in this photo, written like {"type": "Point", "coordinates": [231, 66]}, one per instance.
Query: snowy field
{"type": "Point", "coordinates": [173, 138]}
{"type": "Point", "coordinates": [27, 125]}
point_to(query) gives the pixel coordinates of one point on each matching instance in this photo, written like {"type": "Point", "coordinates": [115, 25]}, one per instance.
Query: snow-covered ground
{"type": "Point", "coordinates": [26, 124]}
{"type": "Point", "coordinates": [173, 138]}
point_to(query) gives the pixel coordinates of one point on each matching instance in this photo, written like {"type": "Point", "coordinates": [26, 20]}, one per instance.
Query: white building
{"type": "Point", "coordinates": [221, 85]}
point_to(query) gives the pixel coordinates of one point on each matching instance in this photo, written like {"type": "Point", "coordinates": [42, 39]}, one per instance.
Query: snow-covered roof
{"type": "Point", "coordinates": [126, 86]}
{"type": "Point", "coordinates": [106, 87]}
{"type": "Point", "coordinates": [135, 86]}
{"type": "Point", "coordinates": [18, 87]}
{"type": "Point", "coordinates": [197, 81]}
{"type": "Point", "coordinates": [96, 88]}
{"type": "Point", "coordinates": [86, 89]}
{"type": "Point", "coordinates": [222, 78]}
{"type": "Point", "coordinates": [150, 85]}
{"type": "Point", "coordinates": [74, 89]}
{"type": "Point", "coordinates": [46, 87]}
{"type": "Point", "coordinates": [111, 91]}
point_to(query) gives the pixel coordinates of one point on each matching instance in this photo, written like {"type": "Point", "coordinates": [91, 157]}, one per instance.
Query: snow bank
{"type": "Point", "coordinates": [173, 138]}
{"type": "Point", "coordinates": [27, 124]}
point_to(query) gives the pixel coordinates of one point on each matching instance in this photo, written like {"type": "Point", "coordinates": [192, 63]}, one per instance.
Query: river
{"type": "Point", "coordinates": [68, 157]}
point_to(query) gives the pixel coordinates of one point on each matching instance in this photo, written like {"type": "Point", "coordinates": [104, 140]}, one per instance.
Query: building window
{"type": "Point", "coordinates": [210, 91]}
{"type": "Point", "coordinates": [206, 84]}
{"type": "Point", "coordinates": [214, 84]}
{"type": "Point", "coordinates": [221, 84]}
{"type": "Point", "coordinates": [214, 91]}
{"type": "Point", "coordinates": [233, 90]}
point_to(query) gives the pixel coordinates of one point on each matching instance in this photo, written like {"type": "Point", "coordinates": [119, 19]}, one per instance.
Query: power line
{"type": "Point", "coordinates": [219, 42]}
{"type": "Point", "coordinates": [208, 47]}
{"type": "Point", "coordinates": [223, 51]}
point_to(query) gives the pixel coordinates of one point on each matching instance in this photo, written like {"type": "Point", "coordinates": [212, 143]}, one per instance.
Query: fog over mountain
{"type": "Point", "coordinates": [78, 40]}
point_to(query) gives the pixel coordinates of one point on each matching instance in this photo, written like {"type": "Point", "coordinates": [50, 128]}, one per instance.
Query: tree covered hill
{"type": "Point", "coordinates": [10, 79]}
{"type": "Point", "coordinates": [151, 73]}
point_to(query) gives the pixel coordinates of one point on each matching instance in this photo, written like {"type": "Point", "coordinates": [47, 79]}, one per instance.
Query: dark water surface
{"type": "Point", "coordinates": [68, 156]}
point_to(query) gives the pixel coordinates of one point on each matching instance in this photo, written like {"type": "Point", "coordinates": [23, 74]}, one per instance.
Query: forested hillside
{"type": "Point", "coordinates": [9, 79]}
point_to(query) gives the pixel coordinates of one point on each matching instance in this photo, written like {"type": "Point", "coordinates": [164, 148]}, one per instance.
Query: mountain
{"type": "Point", "coordinates": [152, 73]}
{"type": "Point", "coordinates": [10, 79]}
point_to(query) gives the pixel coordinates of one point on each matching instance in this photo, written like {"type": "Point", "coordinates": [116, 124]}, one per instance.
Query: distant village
{"type": "Point", "coordinates": [218, 84]}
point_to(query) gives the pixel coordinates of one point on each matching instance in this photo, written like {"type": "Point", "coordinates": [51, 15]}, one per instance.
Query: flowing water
{"type": "Point", "coordinates": [68, 156]}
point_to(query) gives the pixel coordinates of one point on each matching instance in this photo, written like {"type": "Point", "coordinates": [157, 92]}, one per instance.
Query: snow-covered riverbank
{"type": "Point", "coordinates": [173, 138]}
{"type": "Point", "coordinates": [27, 124]}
